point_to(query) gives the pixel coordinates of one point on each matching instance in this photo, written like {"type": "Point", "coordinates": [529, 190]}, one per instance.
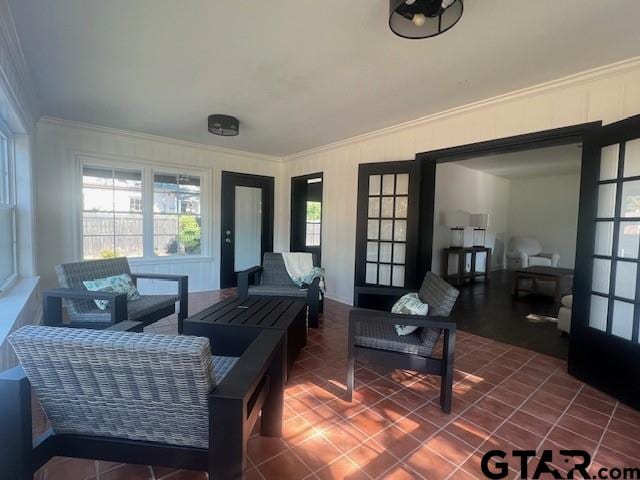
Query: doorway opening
{"type": "Point", "coordinates": [505, 232]}
{"type": "Point", "coordinates": [306, 215]}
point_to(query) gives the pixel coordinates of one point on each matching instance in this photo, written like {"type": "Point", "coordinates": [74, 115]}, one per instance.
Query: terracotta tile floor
{"type": "Point", "coordinates": [505, 397]}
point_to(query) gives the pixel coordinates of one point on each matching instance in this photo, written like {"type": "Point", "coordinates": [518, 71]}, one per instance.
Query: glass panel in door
{"type": "Point", "coordinates": [248, 227]}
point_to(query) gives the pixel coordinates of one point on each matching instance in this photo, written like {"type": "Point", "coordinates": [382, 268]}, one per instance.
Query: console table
{"type": "Point", "coordinates": [458, 278]}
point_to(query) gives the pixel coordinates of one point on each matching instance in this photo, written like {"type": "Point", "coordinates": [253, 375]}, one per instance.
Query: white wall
{"type": "Point", "coordinates": [60, 143]}
{"type": "Point", "coordinates": [547, 208]}
{"type": "Point", "coordinates": [608, 94]}
{"type": "Point", "coordinates": [461, 188]}
{"type": "Point", "coordinates": [20, 304]}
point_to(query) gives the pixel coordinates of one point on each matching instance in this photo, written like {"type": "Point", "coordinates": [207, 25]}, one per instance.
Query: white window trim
{"type": "Point", "coordinates": [148, 169]}
{"type": "Point", "coordinates": [9, 138]}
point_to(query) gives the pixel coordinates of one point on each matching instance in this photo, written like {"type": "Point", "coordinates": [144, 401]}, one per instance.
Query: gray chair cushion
{"type": "Point", "coordinates": [278, 290]}
{"type": "Point", "coordinates": [438, 294]}
{"type": "Point", "coordinates": [383, 336]}
{"type": "Point", "coordinates": [135, 310]}
{"type": "Point", "coordinates": [274, 271]}
{"type": "Point", "coordinates": [119, 384]}
{"type": "Point", "coordinates": [71, 275]}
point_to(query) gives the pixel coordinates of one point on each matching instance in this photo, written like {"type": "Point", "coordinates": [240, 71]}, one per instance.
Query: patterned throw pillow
{"type": "Point", "coordinates": [117, 284]}
{"type": "Point", "coordinates": [409, 304]}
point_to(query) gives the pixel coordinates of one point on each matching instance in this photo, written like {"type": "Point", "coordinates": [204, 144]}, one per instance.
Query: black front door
{"type": "Point", "coordinates": [306, 215]}
{"type": "Point", "coordinates": [604, 344]}
{"type": "Point", "coordinates": [247, 223]}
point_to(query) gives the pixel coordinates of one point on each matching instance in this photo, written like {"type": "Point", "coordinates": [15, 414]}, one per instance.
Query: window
{"type": "Point", "coordinates": [140, 212]}
{"type": "Point", "coordinates": [112, 220]}
{"type": "Point", "coordinates": [8, 267]}
{"type": "Point", "coordinates": [177, 225]}
{"type": "Point", "coordinates": [313, 224]}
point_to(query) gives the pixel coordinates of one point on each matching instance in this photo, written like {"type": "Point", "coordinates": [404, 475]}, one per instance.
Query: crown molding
{"type": "Point", "coordinates": [597, 73]}
{"type": "Point", "coordinates": [156, 138]}
{"type": "Point", "coordinates": [15, 78]}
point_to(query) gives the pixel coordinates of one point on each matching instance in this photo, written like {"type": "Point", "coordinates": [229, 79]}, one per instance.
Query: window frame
{"type": "Point", "coordinates": [9, 140]}
{"type": "Point", "coordinates": [148, 169]}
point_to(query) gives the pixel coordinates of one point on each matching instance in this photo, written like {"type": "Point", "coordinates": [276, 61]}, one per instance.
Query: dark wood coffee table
{"type": "Point", "coordinates": [554, 274]}
{"type": "Point", "coordinates": [232, 324]}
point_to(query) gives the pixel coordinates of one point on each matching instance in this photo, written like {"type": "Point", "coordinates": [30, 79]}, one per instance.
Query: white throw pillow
{"type": "Point", "coordinates": [409, 304]}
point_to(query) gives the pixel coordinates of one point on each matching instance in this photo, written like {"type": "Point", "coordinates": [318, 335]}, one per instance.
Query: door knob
{"type": "Point", "coordinates": [228, 240]}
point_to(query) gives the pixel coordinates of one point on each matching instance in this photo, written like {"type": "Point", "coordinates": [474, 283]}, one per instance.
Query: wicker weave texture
{"type": "Point", "coordinates": [438, 294]}
{"type": "Point", "coordinates": [119, 384]}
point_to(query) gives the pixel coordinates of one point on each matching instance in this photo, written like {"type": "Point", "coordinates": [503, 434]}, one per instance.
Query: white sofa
{"type": "Point", "coordinates": [564, 314]}
{"type": "Point", "coordinates": [527, 252]}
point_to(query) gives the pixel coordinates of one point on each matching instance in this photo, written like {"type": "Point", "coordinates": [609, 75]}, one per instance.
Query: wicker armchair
{"type": "Point", "coordinates": [272, 280]}
{"type": "Point", "coordinates": [138, 398]}
{"type": "Point", "coordinates": [82, 310]}
{"type": "Point", "coordinates": [373, 338]}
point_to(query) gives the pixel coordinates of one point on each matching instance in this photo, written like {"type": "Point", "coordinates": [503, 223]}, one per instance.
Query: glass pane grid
{"type": "Point", "coordinates": [177, 225]}
{"type": "Point", "coordinates": [112, 218]}
{"type": "Point", "coordinates": [386, 229]}
{"type": "Point", "coordinates": [614, 297]}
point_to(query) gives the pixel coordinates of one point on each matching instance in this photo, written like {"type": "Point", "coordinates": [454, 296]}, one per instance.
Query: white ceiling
{"type": "Point", "coordinates": [540, 162]}
{"type": "Point", "coordinates": [298, 74]}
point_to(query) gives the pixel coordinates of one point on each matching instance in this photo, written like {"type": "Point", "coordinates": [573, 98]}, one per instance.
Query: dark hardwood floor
{"type": "Point", "coordinates": [490, 310]}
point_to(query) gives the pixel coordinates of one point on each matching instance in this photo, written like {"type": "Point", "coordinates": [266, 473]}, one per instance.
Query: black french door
{"type": "Point", "coordinates": [604, 344]}
{"type": "Point", "coordinates": [246, 224]}
{"type": "Point", "coordinates": [306, 215]}
{"type": "Point", "coordinates": [387, 227]}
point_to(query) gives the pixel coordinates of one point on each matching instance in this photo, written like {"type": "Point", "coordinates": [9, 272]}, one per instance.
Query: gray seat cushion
{"type": "Point", "coordinates": [383, 336]}
{"type": "Point", "coordinates": [278, 290]}
{"type": "Point", "coordinates": [274, 271]}
{"type": "Point", "coordinates": [149, 304]}
{"type": "Point", "coordinates": [135, 310]}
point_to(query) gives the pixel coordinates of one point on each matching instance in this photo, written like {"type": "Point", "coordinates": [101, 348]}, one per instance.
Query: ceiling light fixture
{"type": "Point", "coordinates": [224, 125]}
{"type": "Point", "coordinates": [423, 18]}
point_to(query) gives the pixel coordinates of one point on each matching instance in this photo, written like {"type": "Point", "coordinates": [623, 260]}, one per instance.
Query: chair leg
{"type": "Point", "coordinates": [313, 314]}
{"type": "Point", "coordinates": [272, 410]}
{"type": "Point", "coordinates": [351, 372]}
{"type": "Point", "coordinates": [446, 384]}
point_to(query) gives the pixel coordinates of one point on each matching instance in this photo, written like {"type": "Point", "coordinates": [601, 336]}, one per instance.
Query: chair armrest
{"type": "Point", "coordinates": [159, 276]}
{"type": "Point", "coordinates": [313, 290]}
{"type": "Point", "coordinates": [361, 314]}
{"type": "Point", "coordinates": [183, 290]}
{"type": "Point", "coordinates": [247, 277]}
{"type": "Point", "coordinates": [248, 371]}
{"type": "Point", "coordinates": [52, 303]}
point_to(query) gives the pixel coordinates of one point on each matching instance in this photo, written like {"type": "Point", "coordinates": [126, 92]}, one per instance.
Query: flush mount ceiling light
{"type": "Point", "coordinates": [224, 125]}
{"type": "Point", "coordinates": [423, 18]}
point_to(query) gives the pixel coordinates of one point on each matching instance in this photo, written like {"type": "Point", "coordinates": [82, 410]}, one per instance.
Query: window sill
{"type": "Point", "coordinates": [13, 301]}
{"type": "Point", "coordinates": [169, 259]}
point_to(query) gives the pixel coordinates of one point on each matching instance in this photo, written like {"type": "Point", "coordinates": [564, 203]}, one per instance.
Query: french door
{"type": "Point", "coordinates": [247, 223]}
{"type": "Point", "coordinates": [604, 344]}
{"type": "Point", "coordinates": [387, 226]}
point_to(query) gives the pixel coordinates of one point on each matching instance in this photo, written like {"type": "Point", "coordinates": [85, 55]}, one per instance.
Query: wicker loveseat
{"type": "Point", "coordinates": [138, 398]}
{"type": "Point", "coordinates": [82, 310]}
{"type": "Point", "coordinates": [373, 338]}
{"type": "Point", "coordinates": [272, 280]}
